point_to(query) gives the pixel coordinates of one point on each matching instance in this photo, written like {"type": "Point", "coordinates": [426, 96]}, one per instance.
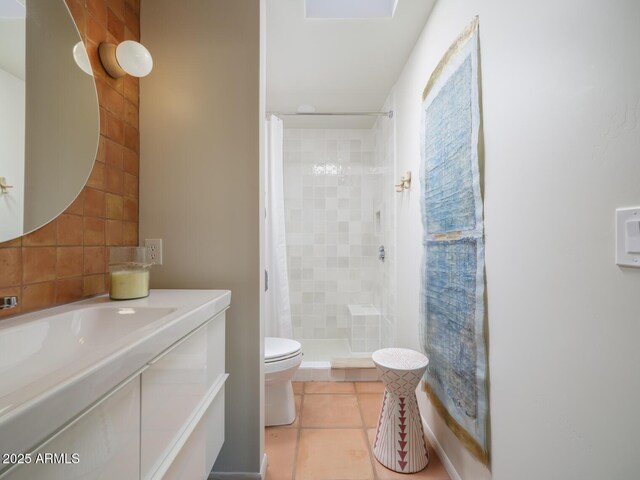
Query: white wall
{"type": "Point", "coordinates": [561, 99]}
{"type": "Point", "coordinates": [201, 119]}
{"type": "Point", "coordinates": [12, 154]}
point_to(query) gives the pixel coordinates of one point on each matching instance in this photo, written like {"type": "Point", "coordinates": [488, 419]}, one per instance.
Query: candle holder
{"type": "Point", "coordinates": [129, 270]}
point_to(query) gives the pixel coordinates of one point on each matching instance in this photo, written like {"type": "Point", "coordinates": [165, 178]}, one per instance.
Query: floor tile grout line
{"type": "Point", "coordinates": [331, 428]}
{"type": "Point", "coordinates": [363, 426]}
{"type": "Point", "coordinates": [366, 439]}
{"type": "Point", "coordinates": [294, 464]}
{"type": "Point", "coordinates": [330, 393]}
{"type": "Point", "coordinates": [337, 427]}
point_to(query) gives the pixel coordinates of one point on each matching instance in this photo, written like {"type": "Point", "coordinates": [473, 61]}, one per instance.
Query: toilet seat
{"type": "Point", "coordinates": [280, 349]}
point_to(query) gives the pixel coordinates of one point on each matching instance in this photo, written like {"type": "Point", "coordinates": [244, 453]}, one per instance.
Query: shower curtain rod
{"type": "Point", "coordinates": [388, 114]}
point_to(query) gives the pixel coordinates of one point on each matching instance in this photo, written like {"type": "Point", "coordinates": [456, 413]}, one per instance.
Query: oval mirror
{"type": "Point", "coordinates": [49, 114]}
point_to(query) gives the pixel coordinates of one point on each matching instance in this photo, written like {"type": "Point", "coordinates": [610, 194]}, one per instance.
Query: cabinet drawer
{"type": "Point", "coordinates": [106, 441]}
{"type": "Point", "coordinates": [173, 387]}
{"type": "Point", "coordinates": [197, 456]}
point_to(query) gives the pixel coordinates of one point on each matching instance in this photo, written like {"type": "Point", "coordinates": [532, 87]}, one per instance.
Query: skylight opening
{"type": "Point", "coordinates": [350, 9]}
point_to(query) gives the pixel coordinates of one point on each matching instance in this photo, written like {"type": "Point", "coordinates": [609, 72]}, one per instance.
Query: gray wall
{"type": "Point", "coordinates": [200, 130]}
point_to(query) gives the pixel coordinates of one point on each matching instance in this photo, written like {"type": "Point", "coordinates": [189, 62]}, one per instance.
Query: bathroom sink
{"type": "Point", "coordinates": [31, 351]}
{"type": "Point", "coordinates": [57, 362]}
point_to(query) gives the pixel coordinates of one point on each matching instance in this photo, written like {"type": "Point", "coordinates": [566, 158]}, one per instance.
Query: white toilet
{"type": "Point", "coordinates": [282, 357]}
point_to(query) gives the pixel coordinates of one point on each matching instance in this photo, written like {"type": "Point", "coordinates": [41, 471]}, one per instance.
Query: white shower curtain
{"type": "Point", "coordinates": [277, 306]}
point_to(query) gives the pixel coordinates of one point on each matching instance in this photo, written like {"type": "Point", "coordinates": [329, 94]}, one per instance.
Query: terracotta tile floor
{"type": "Point", "coordinates": [332, 436]}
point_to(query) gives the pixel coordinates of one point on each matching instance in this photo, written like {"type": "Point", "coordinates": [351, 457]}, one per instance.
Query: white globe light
{"type": "Point", "coordinates": [82, 59]}
{"type": "Point", "coordinates": [134, 58]}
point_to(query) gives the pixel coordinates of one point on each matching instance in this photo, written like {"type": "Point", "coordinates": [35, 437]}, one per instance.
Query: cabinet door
{"type": "Point", "coordinates": [174, 388]}
{"type": "Point", "coordinates": [106, 441]}
{"type": "Point", "coordinates": [197, 456]}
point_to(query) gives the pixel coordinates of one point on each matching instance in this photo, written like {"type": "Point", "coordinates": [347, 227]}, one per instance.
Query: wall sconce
{"type": "Point", "coordinates": [81, 58]}
{"type": "Point", "coordinates": [4, 188]}
{"type": "Point", "coordinates": [405, 182]}
{"type": "Point", "coordinates": [128, 57]}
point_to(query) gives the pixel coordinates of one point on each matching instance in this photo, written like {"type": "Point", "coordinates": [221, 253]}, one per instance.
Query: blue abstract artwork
{"type": "Point", "coordinates": [451, 205]}
{"type": "Point", "coordinates": [453, 282]}
{"type": "Point", "coordinates": [451, 276]}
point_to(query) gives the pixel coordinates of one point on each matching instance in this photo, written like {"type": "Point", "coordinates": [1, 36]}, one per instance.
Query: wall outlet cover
{"type": "Point", "coordinates": [155, 247]}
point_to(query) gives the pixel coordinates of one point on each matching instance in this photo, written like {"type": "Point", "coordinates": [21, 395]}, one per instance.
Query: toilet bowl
{"type": "Point", "coordinates": [282, 357]}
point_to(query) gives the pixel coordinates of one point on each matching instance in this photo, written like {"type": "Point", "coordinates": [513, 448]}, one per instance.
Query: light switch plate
{"type": "Point", "coordinates": [625, 218]}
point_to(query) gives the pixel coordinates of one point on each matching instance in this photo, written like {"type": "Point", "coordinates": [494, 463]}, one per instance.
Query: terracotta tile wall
{"type": "Point", "coordinates": [67, 259]}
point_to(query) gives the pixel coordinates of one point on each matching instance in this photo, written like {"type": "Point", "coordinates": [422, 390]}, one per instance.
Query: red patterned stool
{"type": "Point", "coordinates": [399, 443]}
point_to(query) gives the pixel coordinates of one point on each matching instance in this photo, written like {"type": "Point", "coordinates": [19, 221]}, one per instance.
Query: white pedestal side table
{"type": "Point", "coordinates": [399, 443]}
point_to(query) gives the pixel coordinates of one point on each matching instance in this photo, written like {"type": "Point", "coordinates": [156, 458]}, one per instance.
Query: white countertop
{"type": "Point", "coordinates": [56, 362]}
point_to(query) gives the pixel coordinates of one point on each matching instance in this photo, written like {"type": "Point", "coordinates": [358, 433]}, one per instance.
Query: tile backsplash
{"type": "Point", "coordinates": [66, 259]}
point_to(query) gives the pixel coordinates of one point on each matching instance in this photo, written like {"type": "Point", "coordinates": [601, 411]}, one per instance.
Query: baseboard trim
{"type": "Point", "coordinates": [234, 476]}
{"type": "Point", "coordinates": [263, 467]}
{"type": "Point", "coordinates": [243, 475]}
{"type": "Point", "coordinates": [446, 463]}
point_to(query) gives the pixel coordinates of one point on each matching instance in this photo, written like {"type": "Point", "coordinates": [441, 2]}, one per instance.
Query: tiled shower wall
{"type": "Point", "coordinates": [332, 194]}
{"type": "Point", "coordinates": [67, 259]}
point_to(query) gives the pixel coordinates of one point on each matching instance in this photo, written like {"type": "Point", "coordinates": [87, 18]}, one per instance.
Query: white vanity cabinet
{"type": "Point", "coordinates": [178, 390]}
{"type": "Point", "coordinates": [105, 439]}
{"type": "Point", "coordinates": [164, 421]}
{"type": "Point", "coordinates": [198, 455]}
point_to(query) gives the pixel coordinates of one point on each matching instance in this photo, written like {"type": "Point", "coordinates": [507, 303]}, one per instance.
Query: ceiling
{"type": "Point", "coordinates": [336, 65]}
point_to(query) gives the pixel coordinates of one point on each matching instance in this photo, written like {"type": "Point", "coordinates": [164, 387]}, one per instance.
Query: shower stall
{"type": "Point", "coordinates": [339, 202]}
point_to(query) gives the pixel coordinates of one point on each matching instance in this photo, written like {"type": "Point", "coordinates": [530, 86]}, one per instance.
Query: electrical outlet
{"type": "Point", "coordinates": [155, 247]}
